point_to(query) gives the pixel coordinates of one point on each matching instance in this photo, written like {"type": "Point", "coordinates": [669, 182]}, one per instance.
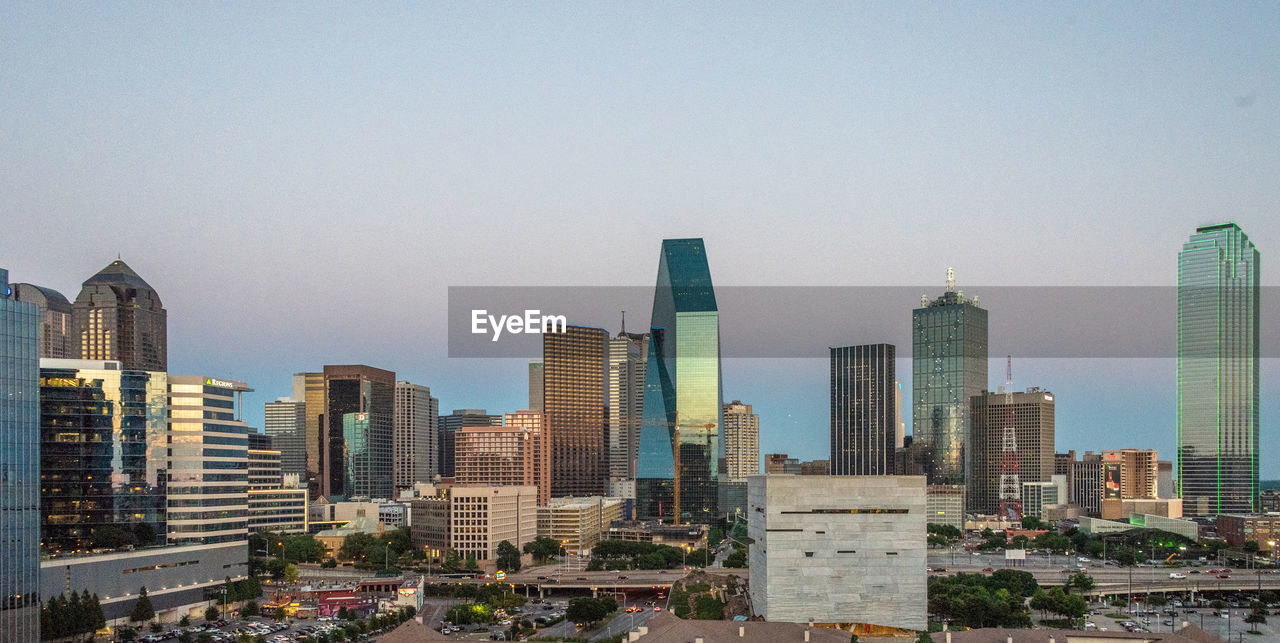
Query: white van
{"type": "Point", "coordinates": [1177, 575]}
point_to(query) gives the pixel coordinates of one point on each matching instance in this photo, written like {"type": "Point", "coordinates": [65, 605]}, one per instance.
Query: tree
{"type": "Point", "coordinates": [344, 614]}
{"type": "Point", "coordinates": [291, 573]}
{"type": "Point", "coordinates": [142, 610]}
{"type": "Point", "coordinates": [211, 613]}
{"type": "Point", "coordinates": [126, 633]}
{"type": "Point", "coordinates": [508, 557]}
{"type": "Point", "coordinates": [542, 548]}
{"type": "Point", "coordinates": [586, 610]}
{"type": "Point", "coordinates": [923, 637]}
{"type": "Point", "coordinates": [1031, 522]}
{"type": "Point", "coordinates": [471, 565]}
{"type": "Point", "coordinates": [1080, 581]}
{"type": "Point", "coordinates": [185, 621]}
{"type": "Point", "coordinates": [1250, 547]}
{"type": "Point", "coordinates": [738, 559]}
{"type": "Point", "coordinates": [250, 609]}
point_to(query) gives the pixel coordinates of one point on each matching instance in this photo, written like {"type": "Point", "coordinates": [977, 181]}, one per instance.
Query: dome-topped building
{"type": "Point", "coordinates": [119, 316]}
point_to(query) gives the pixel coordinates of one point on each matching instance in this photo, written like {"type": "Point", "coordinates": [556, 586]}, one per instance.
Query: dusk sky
{"type": "Point", "coordinates": [302, 183]}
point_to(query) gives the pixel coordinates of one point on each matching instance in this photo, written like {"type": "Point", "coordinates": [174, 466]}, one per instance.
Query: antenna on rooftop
{"type": "Point", "coordinates": [951, 279]}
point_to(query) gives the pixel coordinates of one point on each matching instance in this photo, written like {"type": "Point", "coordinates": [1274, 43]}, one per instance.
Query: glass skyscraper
{"type": "Point", "coordinates": [949, 366]}
{"type": "Point", "coordinates": [366, 455]}
{"type": "Point", "coordinates": [19, 467]}
{"type": "Point", "coordinates": [863, 417]}
{"type": "Point", "coordinates": [681, 450]}
{"type": "Point", "coordinates": [1218, 351]}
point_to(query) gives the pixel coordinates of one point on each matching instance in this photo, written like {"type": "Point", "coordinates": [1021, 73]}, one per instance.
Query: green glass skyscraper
{"type": "Point", "coordinates": [1218, 351]}
{"type": "Point", "coordinates": [948, 367]}
{"type": "Point", "coordinates": [682, 394]}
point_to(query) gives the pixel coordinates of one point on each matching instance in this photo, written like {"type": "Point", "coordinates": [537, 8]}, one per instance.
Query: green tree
{"type": "Point", "coordinates": [211, 613]}
{"type": "Point", "coordinates": [291, 573]}
{"type": "Point", "coordinates": [471, 565]}
{"type": "Point", "coordinates": [1250, 547]}
{"type": "Point", "coordinates": [356, 547]}
{"type": "Point", "coordinates": [508, 557]}
{"type": "Point", "coordinates": [1031, 522]}
{"type": "Point", "coordinates": [586, 610]}
{"type": "Point", "coordinates": [923, 637]}
{"type": "Point", "coordinates": [142, 610]}
{"type": "Point", "coordinates": [542, 548]}
{"type": "Point", "coordinates": [1080, 581]}
{"type": "Point", "coordinates": [250, 609]}
{"type": "Point", "coordinates": [185, 621]}
{"type": "Point", "coordinates": [738, 559]}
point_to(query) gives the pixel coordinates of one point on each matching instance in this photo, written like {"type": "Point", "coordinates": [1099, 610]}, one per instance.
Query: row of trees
{"type": "Point", "coordinates": [355, 630]}
{"type": "Point", "coordinates": [590, 610]}
{"type": "Point", "coordinates": [1070, 607]}
{"type": "Point", "coordinates": [624, 554]}
{"type": "Point", "coordinates": [297, 548]}
{"type": "Point", "coordinates": [61, 616]}
{"type": "Point", "coordinates": [976, 600]}
{"type": "Point", "coordinates": [370, 551]}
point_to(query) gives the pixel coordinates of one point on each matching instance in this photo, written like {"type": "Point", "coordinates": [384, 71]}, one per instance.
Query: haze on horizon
{"type": "Point", "coordinates": [302, 184]}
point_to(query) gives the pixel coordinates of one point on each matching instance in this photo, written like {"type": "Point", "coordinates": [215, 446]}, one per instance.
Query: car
{"type": "Point", "coordinates": [988, 569]}
{"type": "Point", "coordinates": [1224, 575]}
{"type": "Point", "coordinates": [657, 608]}
{"type": "Point", "coordinates": [621, 577]}
{"type": "Point", "coordinates": [1177, 575]}
{"type": "Point", "coordinates": [542, 578]}
{"type": "Point", "coordinates": [582, 578]}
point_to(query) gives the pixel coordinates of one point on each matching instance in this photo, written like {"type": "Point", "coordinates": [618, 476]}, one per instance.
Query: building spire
{"type": "Point", "coordinates": [624, 322]}
{"type": "Point", "coordinates": [951, 279]}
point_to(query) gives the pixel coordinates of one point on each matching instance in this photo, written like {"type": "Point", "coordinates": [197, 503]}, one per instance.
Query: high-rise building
{"type": "Point", "coordinates": [1031, 416]}
{"type": "Point", "coordinates": [535, 386]}
{"type": "Point", "coordinates": [103, 445]}
{"type": "Point", "coordinates": [1218, 360]}
{"type": "Point", "coordinates": [474, 520]}
{"type": "Point", "coordinates": [20, 464]}
{"type": "Point", "coordinates": [741, 442]}
{"type": "Point", "coordinates": [515, 454]}
{"type": "Point", "coordinates": [416, 451]}
{"type": "Point", "coordinates": [573, 399]}
{"type": "Point", "coordinates": [449, 425]}
{"type": "Point", "coordinates": [864, 420]}
{"type": "Point", "coordinates": [815, 468]}
{"type": "Point", "coordinates": [900, 427]}
{"type": "Point", "coordinates": [364, 390]}
{"type": "Point", "coordinates": [626, 409]}
{"type": "Point", "coordinates": [1087, 481]}
{"type": "Point", "coordinates": [265, 468]}
{"type": "Point", "coordinates": [1138, 472]}
{"type": "Point", "coordinates": [781, 463]}
{"type": "Point", "coordinates": [948, 367]}
{"type": "Point", "coordinates": [366, 455]}
{"type": "Point", "coordinates": [285, 420]}
{"type": "Point", "coordinates": [579, 523]}
{"type": "Point", "coordinates": [208, 463]}
{"type": "Point", "coordinates": [56, 339]}
{"type": "Point", "coordinates": [1164, 480]}
{"type": "Point", "coordinates": [118, 316]}
{"type": "Point", "coordinates": [678, 466]}
{"type": "Point", "coordinates": [309, 389]}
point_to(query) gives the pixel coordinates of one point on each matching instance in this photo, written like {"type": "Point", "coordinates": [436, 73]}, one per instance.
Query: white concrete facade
{"type": "Point", "coordinates": [838, 549]}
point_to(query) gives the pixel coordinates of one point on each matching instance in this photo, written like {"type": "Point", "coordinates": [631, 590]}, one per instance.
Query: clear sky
{"type": "Point", "coordinates": [303, 182]}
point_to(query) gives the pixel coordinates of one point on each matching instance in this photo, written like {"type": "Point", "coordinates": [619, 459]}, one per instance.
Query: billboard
{"type": "Point", "coordinates": [1111, 480]}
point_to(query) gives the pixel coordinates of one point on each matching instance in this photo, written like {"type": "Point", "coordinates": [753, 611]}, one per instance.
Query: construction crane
{"type": "Point", "coordinates": [1010, 484]}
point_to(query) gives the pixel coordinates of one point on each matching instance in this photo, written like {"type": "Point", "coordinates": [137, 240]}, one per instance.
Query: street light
{"type": "Point", "coordinates": [386, 556]}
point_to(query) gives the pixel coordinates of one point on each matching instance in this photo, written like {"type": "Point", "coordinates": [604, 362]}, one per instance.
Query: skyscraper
{"type": "Point", "coordinates": [118, 316]}
{"type": "Point", "coordinates": [103, 452]}
{"type": "Point", "coordinates": [535, 386]}
{"type": "Point", "coordinates": [573, 399]}
{"type": "Point", "coordinates": [626, 408]}
{"type": "Point", "coordinates": [208, 464]}
{"type": "Point", "coordinates": [416, 452]}
{"type": "Point", "coordinates": [360, 389]}
{"type": "Point", "coordinates": [1031, 416]}
{"type": "Point", "coordinates": [265, 463]}
{"type": "Point", "coordinates": [864, 423]}
{"type": "Point", "coordinates": [514, 454]}
{"type": "Point", "coordinates": [448, 427]}
{"type": "Point", "coordinates": [285, 420]}
{"type": "Point", "coordinates": [680, 451]}
{"type": "Point", "coordinates": [949, 366]}
{"type": "Point", "coordinates": [55, 319]}
{"type": "Point", "coordinates": [741, 442]}
{"type": "Point", "coordinates": [367, 455]}
{"type": "Point", "coordinates": [1218, 361]}
{"type": "Point", "coordinates": [309, 389]}
{"type": "Point", "coordinates": [19, 466]}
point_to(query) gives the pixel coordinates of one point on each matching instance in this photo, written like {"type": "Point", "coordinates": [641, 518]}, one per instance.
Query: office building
{"type": "Point", "coordinates": [839, 549]}
{"type": "Point", "coordinates": [416, 450]}
{"type": "Point", "coordinates": [1031, 416]}
{"type": "Point", "coordinates": [366, 456]}
{"type": "Point", "coordinates": [627, 355]}
{"type": "Point", "coordinates": [264, 463]}
{"type": "Point", "coordinates": [1217, 375]}
{"type": "Point", "coordinates": [573, 399]}
{"type": "Point", "coordinates": [361, 390]}
{"type": "Point", "coordinates": [103, 441]}
{"type": "Point", "coordinates": [781, 463]}
{"type": "Point", "coordinates": [475, 518]}
{"type": "Point", "coordinates": [1087, 482]}
{"type": "Point", "coordinates": [1164, 479]}
{"type": "Point", "coordinates": [579, 523]}
{"type": "Point", "coordinates": [945, 504]}
{"type": "Point", "coordinates": [516, 454]}
{"type": "Point", "coordinates": [815, 468]}
{"type": "Point", "coordinates": [449, 425]}
{"type": "Point", "coordinates": [741, 441]}
{"type": "Point", "coordinates": [309, 389]}
{"type": "Point", "coordinates": [911, 459]}
{"type": "Point", "coordinates": [208, 463]}
{"type": "Point", "coordinates": [20, 461]}
{"type": "Point", "coordinates": [1262, 529]}
{"type": "Point", "coordinates": [1270, 501]}
{"type": "Point", "coordinates": [535, 386]}
{"type": "Point", "coordinates": [678, 465]}
{"type": "Point", "coordinates": [118, 316]}
{"type": "Point", "coordinates": [949, 367]}
{"type": "Point", "coordinates": [285, 420]}
{"type": "Point", "coordinates": [56, 339]}
{"type": "Point", "coordinates": [1121, 508]}
{"type": "Point", "coordinates": [864, 410]}
{"type": "Point", "coordinates": [1138, 472]}
{"type": "Point", "coordinates": [1038, 496]}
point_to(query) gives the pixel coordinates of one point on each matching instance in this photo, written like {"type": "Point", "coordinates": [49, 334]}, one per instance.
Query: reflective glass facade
{"type": "Point", "coordinates": [949, 366]}
{"type": "Point", "coordinates": [99, 428]}
{"type": "Point", "coordinates": [863, 416]}
{"type": "Point", "coordinates": [19, 468]}
{"type": "Point", "coordinates": [366, 455]}
{"type": "Point", "coordinates": [208, 499]}
{"type": "Point", "coordinates": [286, 422]}
{"type": "Point", "coordinates": [682, 397]}
{"type": "Point", "coordinates": [1218, 351]}
{"type": "Point", "coordinates": [354, 388]}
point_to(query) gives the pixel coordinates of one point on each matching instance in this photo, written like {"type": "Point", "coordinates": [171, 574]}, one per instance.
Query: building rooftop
{"type": "Point", "coordinates": [666, 627]}
{"type": "Point", "coordinates": [1188, 634]}
{"type": "Point", "coordinates": [118, 273]}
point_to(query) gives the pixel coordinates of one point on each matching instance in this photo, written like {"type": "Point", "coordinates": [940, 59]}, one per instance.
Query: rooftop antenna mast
{"type": "Point", "coordinates": [951, 279]}
{"type": "Point", "coordinates": [624, 322]}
